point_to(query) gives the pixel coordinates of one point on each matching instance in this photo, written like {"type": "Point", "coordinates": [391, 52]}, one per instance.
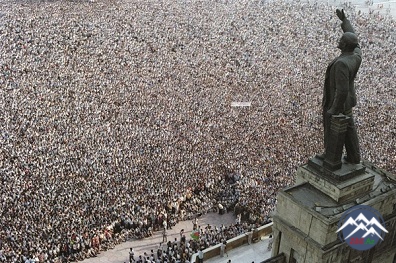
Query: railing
{"type": "Point", "coordinates": [235, 242]}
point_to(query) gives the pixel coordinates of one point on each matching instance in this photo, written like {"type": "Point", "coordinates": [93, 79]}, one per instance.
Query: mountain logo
{"type": "Point", "coordinates": [361, 227]}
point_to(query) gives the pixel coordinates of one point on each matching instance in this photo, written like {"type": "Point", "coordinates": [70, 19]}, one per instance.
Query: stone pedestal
{"type": "Point", "coordinates": [341, 185]}
{"type": "Point", "coordinates": [307, 214]}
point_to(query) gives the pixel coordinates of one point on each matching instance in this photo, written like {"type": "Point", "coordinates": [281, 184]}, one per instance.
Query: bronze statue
{"type": "Point", "coordinates": [339, 96]}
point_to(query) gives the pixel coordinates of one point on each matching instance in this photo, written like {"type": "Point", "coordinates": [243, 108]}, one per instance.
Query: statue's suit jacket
{"type": "Point", "coordinates": [339, 91]}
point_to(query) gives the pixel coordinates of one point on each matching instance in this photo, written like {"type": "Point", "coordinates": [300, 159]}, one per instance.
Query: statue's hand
{"type": "Point", "coordinates": [341, 14]}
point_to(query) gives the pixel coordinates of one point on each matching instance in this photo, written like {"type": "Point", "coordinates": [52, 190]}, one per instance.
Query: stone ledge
{"type": "Point", "coordinates": [346, 171]}
{"type": "Point", "coordinates": [356, 181]}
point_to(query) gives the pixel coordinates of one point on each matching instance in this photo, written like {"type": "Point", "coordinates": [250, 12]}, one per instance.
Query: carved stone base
{"type": "Point", "coordinates": [341, 185]}
{"type": "Point", "coordinates": [345, 172]}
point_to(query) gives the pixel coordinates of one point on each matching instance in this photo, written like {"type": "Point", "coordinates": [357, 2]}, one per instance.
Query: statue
{"type": "Point", "coordinates": [339, 98]}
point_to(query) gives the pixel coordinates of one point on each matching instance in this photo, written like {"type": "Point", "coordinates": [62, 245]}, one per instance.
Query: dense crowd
{"type": "Point", "coordinates": [115, 116]}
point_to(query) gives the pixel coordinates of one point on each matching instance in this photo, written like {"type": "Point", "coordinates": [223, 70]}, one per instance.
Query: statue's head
{"type": "Point", "coordinates": [348, 41]}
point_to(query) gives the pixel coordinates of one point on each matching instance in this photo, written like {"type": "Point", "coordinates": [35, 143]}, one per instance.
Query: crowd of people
{"type": "Point", "coordinates": [115, 116]}
{"type": "Point", "coordinates": [181, 249]}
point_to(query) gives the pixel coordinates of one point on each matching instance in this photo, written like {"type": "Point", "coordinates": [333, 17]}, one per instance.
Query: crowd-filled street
{"type": "Point", "coordinates": [116, 117]}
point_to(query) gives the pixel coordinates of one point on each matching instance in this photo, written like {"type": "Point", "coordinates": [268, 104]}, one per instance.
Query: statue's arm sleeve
{"type": "Point", "coordinates": [347, 27]}
{"type": "Point", "coordinates": [341, 89]}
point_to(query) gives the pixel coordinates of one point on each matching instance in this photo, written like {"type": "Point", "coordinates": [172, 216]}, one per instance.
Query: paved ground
{"type": "Point", "coordinates": [120, 253]}
{"type": "Point", "coordinates": [256, 253]}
